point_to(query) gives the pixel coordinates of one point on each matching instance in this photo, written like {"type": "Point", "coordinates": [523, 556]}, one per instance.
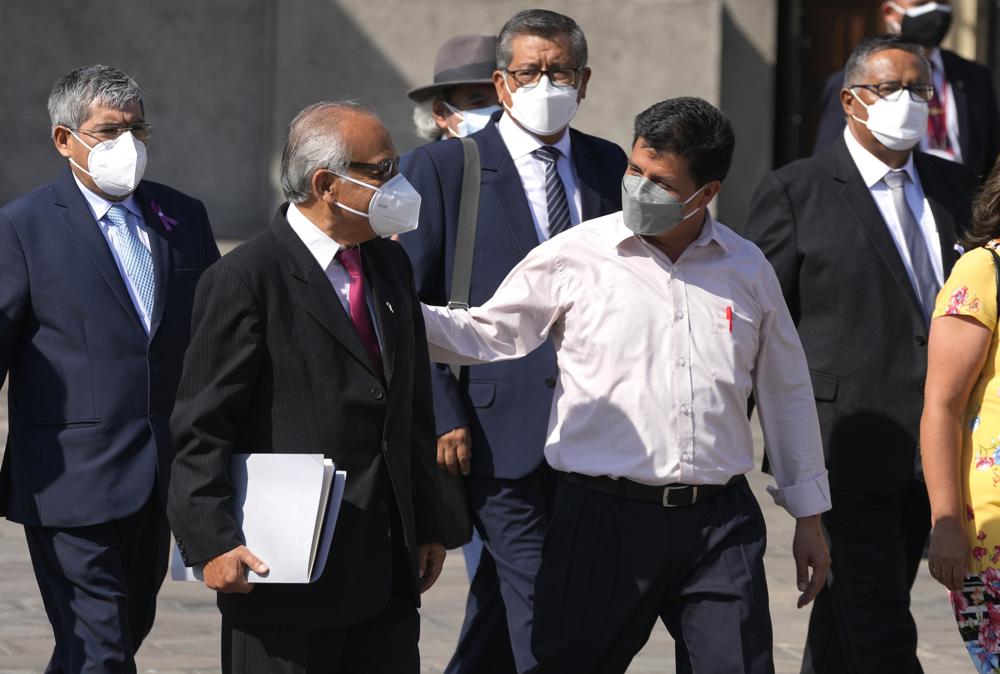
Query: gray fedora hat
{"type": "Point", "coordinates": [463, 59]}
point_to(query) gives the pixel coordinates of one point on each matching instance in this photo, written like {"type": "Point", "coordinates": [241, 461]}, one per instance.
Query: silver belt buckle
{"type": "Point", "coordinates": [667, 490]}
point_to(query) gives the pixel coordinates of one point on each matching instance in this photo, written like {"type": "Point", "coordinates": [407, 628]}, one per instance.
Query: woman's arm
{"type": "Point", "coordinates": [957, 351]}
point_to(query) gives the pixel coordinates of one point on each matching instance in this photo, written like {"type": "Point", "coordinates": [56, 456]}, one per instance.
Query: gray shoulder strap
{"type": "Point", "coordinates": [465, 240]}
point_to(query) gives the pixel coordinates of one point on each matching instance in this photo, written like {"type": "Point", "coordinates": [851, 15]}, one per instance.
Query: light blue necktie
{"type": "Point", "coordinates": [135, 257]}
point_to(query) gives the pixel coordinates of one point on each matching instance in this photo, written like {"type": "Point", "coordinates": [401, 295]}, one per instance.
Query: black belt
{"type": "Point", "coordinates": [668, 495]}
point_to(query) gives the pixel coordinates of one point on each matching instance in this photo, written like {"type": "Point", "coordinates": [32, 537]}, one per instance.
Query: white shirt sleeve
{"type": "Point", "coordinates": [786, 408]}
{"type": "Point", "coordinates": [511, 324]}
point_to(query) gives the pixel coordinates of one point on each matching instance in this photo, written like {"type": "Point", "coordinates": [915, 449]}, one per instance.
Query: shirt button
{"type": "Point", "coordinates": [679, 316]}
{"type": "Point", "coordinates": [682, 362]}
{"type": "Point", "coordinates": [377, 393]}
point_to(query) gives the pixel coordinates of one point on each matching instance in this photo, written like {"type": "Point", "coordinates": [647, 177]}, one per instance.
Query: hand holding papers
{"type": "Point", "coordinates": [287, 506]}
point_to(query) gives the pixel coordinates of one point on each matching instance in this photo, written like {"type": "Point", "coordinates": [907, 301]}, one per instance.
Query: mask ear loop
{"type": "Point", "coordinates": [356, 182]}
{"type": "Point", "coordinates": [84, 143]}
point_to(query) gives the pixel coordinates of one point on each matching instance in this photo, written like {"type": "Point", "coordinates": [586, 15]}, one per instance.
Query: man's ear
{"type": "Point", "coordinates": [710, 192]}
{"type": "Point", "coordinates": [847, 101]}
{"type": "Point", "coordinates": [61, 138]}
{"type": "Point", "coordinates": [324, 185]}
{"type": "Point", "coordinates": [582, 89]}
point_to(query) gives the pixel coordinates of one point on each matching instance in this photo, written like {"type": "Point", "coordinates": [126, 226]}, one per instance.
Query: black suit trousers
{"type": "Point", "coordinates": [861, 620]}
{"type": "Point", "coordinates": [385, 644]}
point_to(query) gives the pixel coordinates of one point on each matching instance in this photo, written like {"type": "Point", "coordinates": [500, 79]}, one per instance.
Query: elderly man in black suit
{"type": "Point", "coordinates": [309, 338]}
{"type": "Point", "coordinates": [964, 123]}
{"type": "Point", "coordinates": [861, 237]}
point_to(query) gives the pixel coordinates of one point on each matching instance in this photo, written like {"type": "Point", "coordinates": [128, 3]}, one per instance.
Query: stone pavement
{"type": "Point", "coordinates": [185, 637]}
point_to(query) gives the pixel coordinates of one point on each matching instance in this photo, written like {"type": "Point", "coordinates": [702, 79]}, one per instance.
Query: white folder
{"type": "Point", "coordinates": [287, 507]}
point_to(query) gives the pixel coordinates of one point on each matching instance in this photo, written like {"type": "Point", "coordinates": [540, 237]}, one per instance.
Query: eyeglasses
{"type": "Point", "coordinates": [381, 170]}
{"type": "Point", "coordinates": [527, 78]}
{"type": "Point", "coordinates": [891, 91]}
{"type": "Point", "coordinates": [142, 131]}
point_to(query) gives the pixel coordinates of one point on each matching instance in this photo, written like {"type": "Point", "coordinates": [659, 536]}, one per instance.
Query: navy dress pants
{"type": "Point", "coordinates": [612, 566]}
{"type": "Point", "coordinates": [98, 584]}
{"type": "Point", "coordinates": [510, 516]}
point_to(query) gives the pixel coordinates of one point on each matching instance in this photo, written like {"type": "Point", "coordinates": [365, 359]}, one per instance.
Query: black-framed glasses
{"type": "Point", "coordinates": [891, 91]}
{"type": "Point", "coordinates": [559, 77]}
{"type": "Point", "coordinates": [141, 130]}
{"type": "Point", "coordinates": [381, 170]}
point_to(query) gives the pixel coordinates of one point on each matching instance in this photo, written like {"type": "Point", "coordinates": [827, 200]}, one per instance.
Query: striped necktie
{"type": "Point", "coordinates": [135, 258]}
{"type": "Point", "coordinates": [555, 192]}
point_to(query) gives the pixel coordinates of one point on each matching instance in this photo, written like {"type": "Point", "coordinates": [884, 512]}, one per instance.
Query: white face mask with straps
{"type": "Point", "coordinates": [393, 209]}
{"type": "Point", "coordinates": [115, 165]}
{"type": "Point", "coordinates": [898, 124]}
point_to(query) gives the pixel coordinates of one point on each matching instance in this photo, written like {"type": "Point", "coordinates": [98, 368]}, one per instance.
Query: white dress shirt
{"type": "Point", "coordinates": [654, 375]}
{"type": "Point", "coordinates": [945, 93]}
{"type": "Point", "coordinates": [521, 144]}
{"type": "Point", "coordinates": [325, 250]}
{"type": "Point", "coordinates": [100, 206]}
{"type": "Point", "coordinates": [872, 171]}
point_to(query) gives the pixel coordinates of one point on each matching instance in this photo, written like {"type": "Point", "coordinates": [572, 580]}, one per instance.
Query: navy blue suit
{"type": "Point", "coordinates": [505, 405]}
{"type": "Point", "coordinates": [88, 450]}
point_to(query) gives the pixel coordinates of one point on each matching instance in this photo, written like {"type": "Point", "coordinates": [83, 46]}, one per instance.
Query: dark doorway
{"type": "Point", "coordinates": [815, 38]}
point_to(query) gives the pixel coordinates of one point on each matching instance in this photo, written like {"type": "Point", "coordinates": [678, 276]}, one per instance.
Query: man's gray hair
{"type": "Point", "coordinates": [424, 123]}
{"type": "Point", "coordinates": [315, 142]}
{"type": "Point", "coordinates": [540, 23]}
{"type": "Point", "coordinates": [74, 93]}
{"type": "Point", "coordinates": [857, 62]}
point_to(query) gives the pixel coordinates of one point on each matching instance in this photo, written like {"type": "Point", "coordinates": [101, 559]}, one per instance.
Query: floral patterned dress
{"type": "Point", "coordinates": [971, 290]}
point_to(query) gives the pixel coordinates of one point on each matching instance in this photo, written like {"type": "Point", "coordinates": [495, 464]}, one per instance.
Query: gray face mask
{"type": "Point", "coordinates": [650, 210]}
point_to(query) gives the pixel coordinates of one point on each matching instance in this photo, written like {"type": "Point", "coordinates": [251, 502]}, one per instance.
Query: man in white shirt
{"type": "Point", "coordinates": [664, 322]}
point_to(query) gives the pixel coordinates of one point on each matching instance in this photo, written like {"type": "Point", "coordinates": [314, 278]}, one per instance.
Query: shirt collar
{"type": "Point", "coordinates": [872, 168]}
{"type": "Point", "coordinates": [100, 206]}
{"type": "Point", "coordinates": [619, 233]}
{"type": "Point", "coordinates": [521, 143]}
{"type": "Point", "coordinates": [321, 246]}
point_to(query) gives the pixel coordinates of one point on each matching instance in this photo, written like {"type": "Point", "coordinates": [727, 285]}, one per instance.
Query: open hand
{"type": "Point", "coordinates": [810, 551]}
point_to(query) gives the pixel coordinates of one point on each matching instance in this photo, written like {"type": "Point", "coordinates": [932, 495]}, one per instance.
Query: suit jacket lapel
{"type": "Point", "coordinates": [586, 178]}
{"type": "Point", "coordinates": [859, 202]}
{"type": "Point", "coordinates": [499, 175]}
{"type": "Point", "coordinates": [159, 246]}
{"type": "Point", "coordinates": [79, 220]}
{"type": "Point", "coordinates": [318, 297]}
{"type": "Point", "coordinates": [938, 199]}
{"type": "Point", "coordinates": [384, 303]}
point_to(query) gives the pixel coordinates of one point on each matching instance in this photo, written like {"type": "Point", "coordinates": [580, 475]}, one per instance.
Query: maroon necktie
{"type": "Point", "coordinates": [350, 258]}
{"type": "Point", "coordinates": [937, 121]}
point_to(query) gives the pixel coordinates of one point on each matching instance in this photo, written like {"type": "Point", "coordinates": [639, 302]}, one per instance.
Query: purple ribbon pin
{"type": "Point", "coordinates": [168, 222]}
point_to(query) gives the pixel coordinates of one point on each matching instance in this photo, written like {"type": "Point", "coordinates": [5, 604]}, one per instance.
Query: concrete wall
{"type": "Point", "coordinates": [222, 78]}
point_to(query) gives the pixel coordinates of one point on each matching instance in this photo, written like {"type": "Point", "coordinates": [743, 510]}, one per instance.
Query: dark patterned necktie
{"type": "Point", "coordinates": [555, 192]}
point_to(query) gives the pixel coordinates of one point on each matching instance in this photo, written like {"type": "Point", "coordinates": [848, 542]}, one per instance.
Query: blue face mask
{"type": "Point", "coordinates": [473, 120]}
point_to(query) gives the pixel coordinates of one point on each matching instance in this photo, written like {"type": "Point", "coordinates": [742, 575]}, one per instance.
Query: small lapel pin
{"type": "Point", "coordinates": [389, 307]}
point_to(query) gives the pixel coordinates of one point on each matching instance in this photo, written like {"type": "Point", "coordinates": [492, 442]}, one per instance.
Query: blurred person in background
{"type": "Point", "coordinates": [461, 98]}
{"type": "Point", "coordinates": [964, 122]}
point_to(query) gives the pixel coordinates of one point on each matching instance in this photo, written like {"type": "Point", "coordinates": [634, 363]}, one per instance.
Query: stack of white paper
{"type": "Point", "coordinates": [286, 506]}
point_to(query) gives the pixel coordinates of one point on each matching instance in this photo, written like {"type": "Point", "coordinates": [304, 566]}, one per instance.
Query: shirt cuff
{"type": "Point", "coordinates": [803, 499]}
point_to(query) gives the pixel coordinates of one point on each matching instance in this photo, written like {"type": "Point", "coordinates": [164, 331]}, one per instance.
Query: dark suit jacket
{"type": "Point", "coordinates": [90, 392]}
{"type": "Point", "coordinates": [857, 315]}
{"type": "Point", "coordinates": [275, 365]}
{"type": "Point", "coordinates": [507, 404]}
{"type": "Point", "coordinates": [975, 102]}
